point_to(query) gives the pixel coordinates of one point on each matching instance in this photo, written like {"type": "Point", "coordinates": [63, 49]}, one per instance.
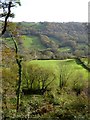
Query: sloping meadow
{"type": "Point", "coordinates": [55, 89]}
{"type": "Point", "coordinates": [60, 73]}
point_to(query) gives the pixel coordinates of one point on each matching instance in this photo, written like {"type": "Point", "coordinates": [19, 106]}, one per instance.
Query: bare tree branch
{"type": "Point", "coordinates": [6, 18]}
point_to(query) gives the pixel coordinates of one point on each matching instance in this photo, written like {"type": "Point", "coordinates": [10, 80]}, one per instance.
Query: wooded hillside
{"type": "Point", "coordinates": [49, 40]}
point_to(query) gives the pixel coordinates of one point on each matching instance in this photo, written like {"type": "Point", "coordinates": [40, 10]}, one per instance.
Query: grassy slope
{"type": "Point", "coordinates": [70, 66]}
{"type": "Point", "coordinates": [32, 42]}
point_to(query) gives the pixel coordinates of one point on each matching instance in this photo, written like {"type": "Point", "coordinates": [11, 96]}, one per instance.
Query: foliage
{"type": "Point", "coordinates": [78, 86]}
{"type": "Point", "coordinates": [64, 75]}
{"type": "Point", "coordinates": [46, 77]}
{"type": "Point", "coordinates": [54, 38]}
{"type": "Point", "coordinates": [54, 103]}
{"type": "Point", "coordinates": [37, 78]}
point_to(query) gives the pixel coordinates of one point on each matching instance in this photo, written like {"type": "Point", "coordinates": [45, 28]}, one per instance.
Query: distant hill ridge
{"type": "Point", "coordinates": [54, 39]}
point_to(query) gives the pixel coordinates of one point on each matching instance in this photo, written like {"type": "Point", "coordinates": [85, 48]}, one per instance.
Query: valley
{"type": "Point", "coordinates": [51, 59]}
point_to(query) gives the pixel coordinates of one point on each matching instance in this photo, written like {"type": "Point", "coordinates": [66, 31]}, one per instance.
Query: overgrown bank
{"type": "Point", "coordinates": [65, 95]}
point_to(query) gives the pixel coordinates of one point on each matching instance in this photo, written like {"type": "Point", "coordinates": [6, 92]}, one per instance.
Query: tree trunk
{"type": "Point", "coordinates": [19, 83]}
{"type": "Point", "coordinates": [18, 61]}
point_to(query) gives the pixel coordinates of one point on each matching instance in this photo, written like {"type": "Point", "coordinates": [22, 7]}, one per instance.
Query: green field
{"type": "Point", "coordinates": [32, 42]}
{"type": "Point", "coordinates": [69, 67]}
{"type": "Point", "coordinates": [65, 100]}
{"type": "Point", "coordinates": [55, 65]}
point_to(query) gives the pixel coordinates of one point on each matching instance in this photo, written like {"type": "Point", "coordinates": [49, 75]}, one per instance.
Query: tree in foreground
{"type": "Point", "coordinates": [15, 37]}
{"type": "Point", "coordinates": [5, 7]}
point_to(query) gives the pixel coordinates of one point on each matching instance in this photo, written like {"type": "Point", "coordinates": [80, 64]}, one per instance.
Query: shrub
{"type": "Point", "coordinates": [78, 83]}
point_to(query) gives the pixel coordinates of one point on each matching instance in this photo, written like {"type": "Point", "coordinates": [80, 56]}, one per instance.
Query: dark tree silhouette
{"type": "Point", "coordinates": [6, 8]}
